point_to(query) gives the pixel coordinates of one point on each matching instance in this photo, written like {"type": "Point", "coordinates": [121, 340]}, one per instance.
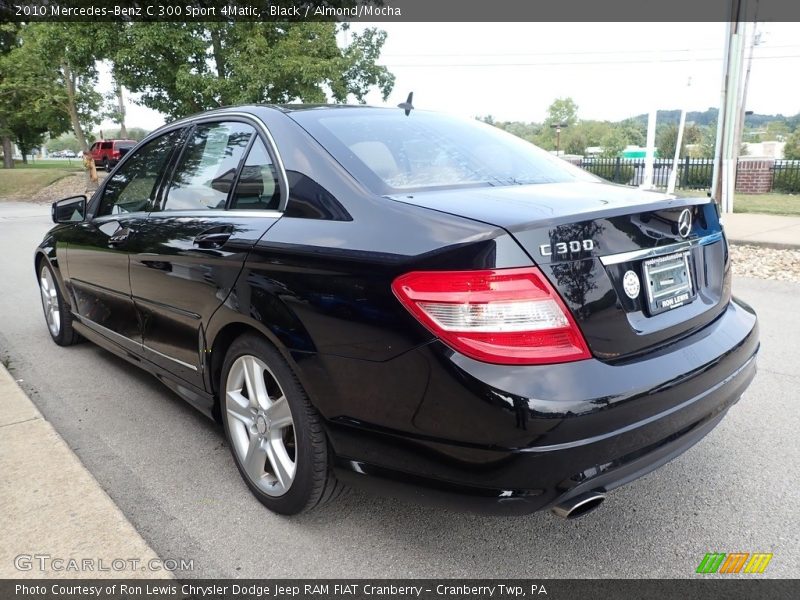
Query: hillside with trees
{"type": "Point", "coordinates": [613, 136]}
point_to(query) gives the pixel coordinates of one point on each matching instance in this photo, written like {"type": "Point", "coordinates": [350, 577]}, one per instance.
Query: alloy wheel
{"type": "Point", "coordinates": [261, 425]}
{"type": "Point", "coordinates": [52, 313]}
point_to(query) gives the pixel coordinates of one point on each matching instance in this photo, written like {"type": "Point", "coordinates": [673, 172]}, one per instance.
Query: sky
{"type": "Point", "coordinates": [513, 71]}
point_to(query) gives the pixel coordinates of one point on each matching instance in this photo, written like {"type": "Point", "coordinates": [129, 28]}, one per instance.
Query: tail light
{"type": "Point", "coordinates": [115, 154]}
{"type": "Point", "coordinates": [504, 316]}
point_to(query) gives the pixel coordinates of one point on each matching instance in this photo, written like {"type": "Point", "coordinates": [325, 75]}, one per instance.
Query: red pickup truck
{"type": "Point", "coordinates": [106, 153]}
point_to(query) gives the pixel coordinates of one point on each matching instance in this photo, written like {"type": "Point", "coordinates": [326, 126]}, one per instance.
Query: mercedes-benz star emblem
{"type": "Point", "coordinates": [685, 223]}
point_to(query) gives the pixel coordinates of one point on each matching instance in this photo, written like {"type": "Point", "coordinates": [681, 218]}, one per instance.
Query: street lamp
{"type": "Point", "coordinates": [558, 127]}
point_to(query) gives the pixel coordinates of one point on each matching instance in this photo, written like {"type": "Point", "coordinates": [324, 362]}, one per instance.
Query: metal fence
{"type": "Point", "coordinates": [693, 173]}
{"type": "Point", "coordinates": [786, 176]}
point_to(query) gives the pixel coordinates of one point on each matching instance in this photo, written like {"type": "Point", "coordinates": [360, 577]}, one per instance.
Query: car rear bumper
{"type": "Point", "coordinates": [514, 440]}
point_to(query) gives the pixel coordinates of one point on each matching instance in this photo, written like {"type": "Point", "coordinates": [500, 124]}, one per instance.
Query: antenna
{"type": "Point", "coordinates": [407, 106]}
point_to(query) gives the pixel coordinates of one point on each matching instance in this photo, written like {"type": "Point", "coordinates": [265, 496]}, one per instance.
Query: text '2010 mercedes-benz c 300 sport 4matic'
{"type": "Point", "coordinates": [405, 300]}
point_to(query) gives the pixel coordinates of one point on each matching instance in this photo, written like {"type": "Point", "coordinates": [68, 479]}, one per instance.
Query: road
{"type": "Point", "coordinates": [169, 470]}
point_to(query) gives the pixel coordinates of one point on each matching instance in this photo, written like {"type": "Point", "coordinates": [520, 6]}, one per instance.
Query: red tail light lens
{"type": "Point", "coordinates": [115, 154]}
{"type": "Point", "coordinates": [503, 316]}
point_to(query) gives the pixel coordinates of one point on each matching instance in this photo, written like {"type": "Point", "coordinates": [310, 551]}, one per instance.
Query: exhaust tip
{"type": "Point", "coordinates": [579, 505]}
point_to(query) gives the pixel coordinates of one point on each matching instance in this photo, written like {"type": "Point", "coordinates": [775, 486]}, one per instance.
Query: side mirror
{"type": "Point", "coordinates": [69, 210]}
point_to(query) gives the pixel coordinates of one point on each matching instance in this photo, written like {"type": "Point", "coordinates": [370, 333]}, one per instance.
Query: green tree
{"type": "Point", "coordinates": [562, 111]}
{"type": "Point", "coordinates": [791, 151]}
{"type": "Point", "coordinates": [71, 50]}
{"type": "Point", "coordinates": [634, 132]}
{"type": "Point", "coordinates": [183, 68]}
{"type": "Point", "coordinates": [667, 139]}
{"type": "Point", "coordinates": [131, 133]}
{"type": "Point", "coordinates": [31, 101]}
{"type": "Point", "coordinates": [66, 141]}
{"type": "Point", "coordinates": [575, 141]}
{"type": "Point", "coordinates": [613, 143]}
{"type": "Point", "coordinates": [707, 146]}
{"type": "Point", "coordinates": [776, 131]}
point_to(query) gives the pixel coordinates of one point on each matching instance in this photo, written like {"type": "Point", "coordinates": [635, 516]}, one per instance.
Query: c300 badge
{"type": "Point", "coordinates": [630, 283]}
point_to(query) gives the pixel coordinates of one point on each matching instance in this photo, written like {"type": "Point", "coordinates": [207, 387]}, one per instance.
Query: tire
{"type": "Point", "coordinates": [56, 313]}
{"type": "Point", "coordinates": [269, 421]}
{"type": "Point", "coordinates": [106, 165]}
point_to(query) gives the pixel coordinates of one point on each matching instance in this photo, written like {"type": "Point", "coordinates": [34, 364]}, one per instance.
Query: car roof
{"type": "Point", "coordinates": [258, 109]}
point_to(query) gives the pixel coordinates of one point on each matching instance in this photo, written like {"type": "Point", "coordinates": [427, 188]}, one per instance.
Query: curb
{"type": "Point", "coordinates": [56, 519]}
{"type": "Point", "coordinates": [764, 244]}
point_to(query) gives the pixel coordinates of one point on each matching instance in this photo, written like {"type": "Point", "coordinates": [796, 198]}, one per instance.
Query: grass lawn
{"type": "Point", "coordinates": [772, 203]}
{"type": "Point", "coordinates": [775, 204]}
{"type": "Point", "coordinates": [21, 183]}
{"type": "Point", "coordinates": [68, 164]}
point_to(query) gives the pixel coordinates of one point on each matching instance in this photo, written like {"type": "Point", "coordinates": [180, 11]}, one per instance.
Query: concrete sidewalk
{"type": "Point", "coordinates": [770, 231]}
{"type": "Point", "coordinates": [52, 509]}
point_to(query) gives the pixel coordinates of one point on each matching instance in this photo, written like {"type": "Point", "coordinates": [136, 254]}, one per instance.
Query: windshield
{"type": "Point", "coordinates": [391, 152]}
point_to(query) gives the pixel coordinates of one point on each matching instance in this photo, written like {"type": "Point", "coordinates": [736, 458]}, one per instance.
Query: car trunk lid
{"type": "Point", "coordinates": [638, 270]}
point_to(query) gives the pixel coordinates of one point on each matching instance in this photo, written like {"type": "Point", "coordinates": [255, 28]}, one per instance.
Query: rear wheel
{"type": "Point", "coordinates": [275, 435]}
{"type": "Point", "coordinates": [56, 313]}
{"type": "Point", "coordinates": [106, 165]}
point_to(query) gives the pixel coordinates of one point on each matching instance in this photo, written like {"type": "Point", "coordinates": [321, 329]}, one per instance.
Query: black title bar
{"type": "Point", "coordinates": [400, 10]}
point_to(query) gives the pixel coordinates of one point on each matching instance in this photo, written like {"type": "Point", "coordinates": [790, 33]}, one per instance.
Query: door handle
{"type": "Point", "coordinates": [120, 236]}
{"type": "Point", "coordinates": [213, 238]}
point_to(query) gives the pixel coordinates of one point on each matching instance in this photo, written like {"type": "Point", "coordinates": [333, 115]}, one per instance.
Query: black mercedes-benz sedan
{"type": "Point", "coordinates": [405, 300]}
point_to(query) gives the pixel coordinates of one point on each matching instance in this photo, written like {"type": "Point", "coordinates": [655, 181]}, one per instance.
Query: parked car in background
{"type": "Point", "coordinates": [106, 153]}
{"type": "Point", "coordinates": [409, 301]}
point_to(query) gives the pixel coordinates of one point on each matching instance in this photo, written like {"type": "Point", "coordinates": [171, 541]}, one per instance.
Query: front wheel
{"type": "Point", "coordinates": [274, 432]}
{"type": "Point", "coordinates": [56, 312]}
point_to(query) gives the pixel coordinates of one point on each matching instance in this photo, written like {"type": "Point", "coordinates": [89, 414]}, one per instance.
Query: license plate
{"type": "Point", "coordinates": [669, 282]}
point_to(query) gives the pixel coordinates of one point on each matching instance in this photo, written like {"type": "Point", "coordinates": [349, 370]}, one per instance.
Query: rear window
{"type": "Point", "coordinates": [125, 145]}
{"type": "Point", "coordinates": [391, 152]}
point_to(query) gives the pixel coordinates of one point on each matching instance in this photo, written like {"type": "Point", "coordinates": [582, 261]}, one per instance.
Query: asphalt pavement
{"type": "Point", "coordinates": [168, 469]}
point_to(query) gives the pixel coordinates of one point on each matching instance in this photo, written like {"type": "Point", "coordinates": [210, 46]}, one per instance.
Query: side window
{"type": "Point", "coordinates": [133, 185]}
{"type": "Point", "coordinates": [257, 187]}
{"type": "Point", "coordinates": [106, 146]}
{"type": "Point", "coordinates": [207, 168]}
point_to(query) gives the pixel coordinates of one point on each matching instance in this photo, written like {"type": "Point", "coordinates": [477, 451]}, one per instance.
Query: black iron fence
{"type": "Point", "coordinates": [693, 173]}
{"type": "Point", "coordinates": [786, 176]}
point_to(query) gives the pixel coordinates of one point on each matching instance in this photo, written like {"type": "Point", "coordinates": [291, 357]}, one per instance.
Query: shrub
{"type": "Point", "coordinates": [698, 178]}
{"type": "Point", "coordinates": [787, 180]}
{"type": "Point", "coordinates": [608, 171]}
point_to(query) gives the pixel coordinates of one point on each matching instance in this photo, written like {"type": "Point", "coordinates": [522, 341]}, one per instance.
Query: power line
{"type": "Point", "coordinates": [577, 63]}
{"type": "Point", "coordinates": [570, 53]}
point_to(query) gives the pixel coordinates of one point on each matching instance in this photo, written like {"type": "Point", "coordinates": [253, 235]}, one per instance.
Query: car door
{"type": "Point", "coordinates": [97, 252]}
{"type": "Point", "coordinates": [192, 248]}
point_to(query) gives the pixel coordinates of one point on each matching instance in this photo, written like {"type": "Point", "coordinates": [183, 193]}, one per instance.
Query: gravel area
{"type": "Point", "coordinates": [766, 263]}
{"type": "Point", "coordinates": [71, 185]}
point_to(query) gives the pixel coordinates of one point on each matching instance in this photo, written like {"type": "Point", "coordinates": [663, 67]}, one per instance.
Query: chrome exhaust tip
{"type": "Point", "coordinates": [578, 506]}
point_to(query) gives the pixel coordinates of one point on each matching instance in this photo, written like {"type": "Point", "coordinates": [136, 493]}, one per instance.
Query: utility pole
{"type": "Point", "coordinates": [726, 156]}
{"type": "Point", "coordinates": [754, 41]}
{"type": "Point", "coordinates": [650, 151]}
{"type": "Point", "coordinates": [673, 174]}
